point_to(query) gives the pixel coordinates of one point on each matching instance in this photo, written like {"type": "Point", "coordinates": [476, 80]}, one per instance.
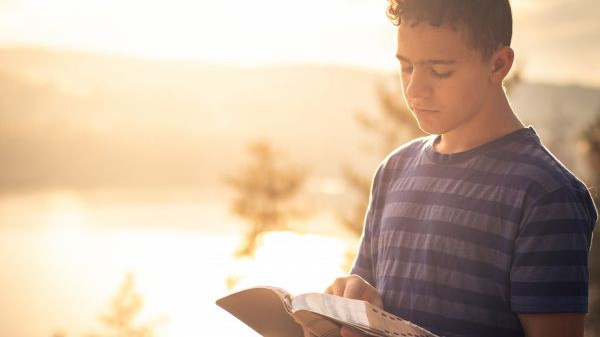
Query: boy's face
{"type": "Point", "coordinates": [444, 80]}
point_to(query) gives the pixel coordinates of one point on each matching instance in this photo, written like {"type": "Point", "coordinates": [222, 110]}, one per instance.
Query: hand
{"type": "Point", "coordinates": [349, 332]}
{"type": "Point", "coordinates": [308, 333]}
{"type": "Point", "coordinates": [357, 288]}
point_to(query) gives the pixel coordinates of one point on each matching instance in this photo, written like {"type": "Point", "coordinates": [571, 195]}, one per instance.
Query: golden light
{"type": "Point", "coordinates": [296, 262]}
{"type": "Point", "coordinates": [78, 258]}
{"type": "Point", "coordinates": [247, 33]}
{"type": "Point", "coordinates": [524, 5]}
{"type": "Point", "coordinates": [65, 217]}
{"type": "Point", "coordinates": [66, 252]}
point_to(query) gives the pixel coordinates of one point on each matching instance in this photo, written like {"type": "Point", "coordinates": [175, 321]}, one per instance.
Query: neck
{"type": "Point", "coordinates": [495, 120]}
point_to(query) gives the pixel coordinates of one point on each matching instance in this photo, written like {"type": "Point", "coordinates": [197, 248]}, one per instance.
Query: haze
{"type": "Point", "coordinates": [556, 40]}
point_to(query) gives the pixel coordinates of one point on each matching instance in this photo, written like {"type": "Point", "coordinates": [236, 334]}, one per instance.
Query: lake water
{"type": "Point", "coordinates": [64, 255]}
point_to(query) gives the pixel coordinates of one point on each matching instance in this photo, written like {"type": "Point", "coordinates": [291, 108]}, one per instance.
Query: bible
{"type": "Point", "coordinates": [273, 312]}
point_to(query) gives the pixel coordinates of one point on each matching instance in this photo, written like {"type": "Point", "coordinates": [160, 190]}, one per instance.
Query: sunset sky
{"type": "Point", "coordinates": [556, 40]}
{"type": "Point", "coordinates": [104, 122]}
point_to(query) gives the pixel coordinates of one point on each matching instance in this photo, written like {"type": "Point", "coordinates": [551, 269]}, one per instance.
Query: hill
{"type": "Point", "coordinates": [74, 120]}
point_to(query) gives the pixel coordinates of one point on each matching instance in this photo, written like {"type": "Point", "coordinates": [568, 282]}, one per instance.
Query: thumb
{"type": "Point", "coordinates": [305, 330]}
{"type": "Point", "coordinates": [376, 300]}
{"type": "Point", "coordinates": [349, 332]}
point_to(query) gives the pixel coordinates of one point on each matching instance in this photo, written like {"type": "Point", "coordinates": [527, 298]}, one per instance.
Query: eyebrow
{"type": "Point", "coordinates": [430, 62]}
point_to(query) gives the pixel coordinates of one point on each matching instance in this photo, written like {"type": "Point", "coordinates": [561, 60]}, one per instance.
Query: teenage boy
{"type": "Point", "coordinates": [476, 230]}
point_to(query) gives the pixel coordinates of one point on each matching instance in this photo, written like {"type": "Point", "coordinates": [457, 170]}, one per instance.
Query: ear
{"type": "Point", "coordinates": [501, 62]}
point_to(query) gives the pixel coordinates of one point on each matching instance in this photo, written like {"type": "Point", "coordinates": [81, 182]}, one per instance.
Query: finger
{"type": "Point", "coordinates": [337, 288]}
{"type": "Point", "coordinates": [372, 296]}
{"type": "Point", "coordinates": [357, 289]}
{"type": "Point", "coordinates": [376, 300]}
{"type": "Point", "coordinates": [305, 331]}
{"type": "Point", "coordinates": [349, 332]}
{"type": "Point", "coordinates": [308, 333]}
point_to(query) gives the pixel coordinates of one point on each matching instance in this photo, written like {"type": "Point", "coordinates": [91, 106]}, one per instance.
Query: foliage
{"type": "Point", "coordinates": [360, 185]}
{"type": "Point", "coordinates": [265, 191]}
{"type": "Point", "coordinates": [393, 126]}
{"type": "Point", "coordinates": [125, 307]}
{"type": "Point", "coordinates": [591, 139]}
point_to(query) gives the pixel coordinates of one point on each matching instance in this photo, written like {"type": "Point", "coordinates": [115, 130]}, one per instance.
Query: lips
{"type": "Point", "coordinates": [422, 110]}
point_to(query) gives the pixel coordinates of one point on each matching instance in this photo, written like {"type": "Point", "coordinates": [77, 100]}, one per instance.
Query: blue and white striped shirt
{"type": "Point", "coordinates": [460, 243]}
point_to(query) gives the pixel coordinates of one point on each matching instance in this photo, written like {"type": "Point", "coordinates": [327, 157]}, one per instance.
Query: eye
{"type": "Point", "coordinates": [406, 69]}
{"type": "Point", "coordinates": [442, 75]}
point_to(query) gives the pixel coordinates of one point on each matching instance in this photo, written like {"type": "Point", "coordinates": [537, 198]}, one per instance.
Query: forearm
{"type": "Point", "coordinates": [553, 325]}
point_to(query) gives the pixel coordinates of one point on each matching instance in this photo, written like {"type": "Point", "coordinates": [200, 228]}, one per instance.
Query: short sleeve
{"type": "Point", "coordinates": [364, 265]}
{"type": "Point", "coordinates": [549, 272]}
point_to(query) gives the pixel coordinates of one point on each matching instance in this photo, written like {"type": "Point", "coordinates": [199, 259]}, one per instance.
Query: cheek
{"type": "Point", "coordinates": [451, 95]}
{"type": "Point", "coordinates": [463, 92]}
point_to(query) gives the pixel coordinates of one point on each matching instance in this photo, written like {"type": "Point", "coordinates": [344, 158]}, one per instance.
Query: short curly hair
{"type": "Point", "coordinates": [487, 23]}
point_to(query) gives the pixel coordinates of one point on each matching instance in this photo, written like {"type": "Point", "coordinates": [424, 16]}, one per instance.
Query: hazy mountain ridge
{"type": "Point", "coordinates": [166, 122]}
{"type": "Point", "coordinates": [83, 120]}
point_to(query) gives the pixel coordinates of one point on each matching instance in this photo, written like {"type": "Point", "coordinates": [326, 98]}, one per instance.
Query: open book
{"type": "Point", "coordinates": [273, 312]}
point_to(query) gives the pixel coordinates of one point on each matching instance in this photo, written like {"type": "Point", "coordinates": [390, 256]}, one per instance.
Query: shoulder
{"type": "Point", "coordinates": [412, 149]}
{"type": "Point", "coordinates": [528, 160]}
{"type": "Point", "coordinates": [398, 159]}
{"type": "Point", "coordinates": [552, 189]}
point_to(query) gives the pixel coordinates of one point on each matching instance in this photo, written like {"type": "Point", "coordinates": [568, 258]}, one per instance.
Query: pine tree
{"type": "Point", "coordinates": [120, 321]}
{"type": "Point", "coordinates": [265, 192]}
{"type": "Point", "coordinates": [391, 127]}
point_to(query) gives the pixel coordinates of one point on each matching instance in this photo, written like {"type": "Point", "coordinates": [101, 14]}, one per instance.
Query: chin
{"type": "Point", "coordinates": [430, 129]}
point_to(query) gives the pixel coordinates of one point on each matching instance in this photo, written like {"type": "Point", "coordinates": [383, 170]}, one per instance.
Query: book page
{"type": "Point", "coordinates": [268, 311]}
{"type": "Point", "coordinates": [387, 324]}
{"type": "Point", "coordinates": [341, 309]}
{"type": "Point", "coordinates": [358, 314]}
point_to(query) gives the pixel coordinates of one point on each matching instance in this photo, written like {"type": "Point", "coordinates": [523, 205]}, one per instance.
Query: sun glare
{"type": "Point", "coordinates": [296, 262]}
{"type": "Point", "coordinates": [179, 273]}
{"type": "Point", "coordinates": [249, 33]}
{"type": "Point", "coordinates": [65, 216]}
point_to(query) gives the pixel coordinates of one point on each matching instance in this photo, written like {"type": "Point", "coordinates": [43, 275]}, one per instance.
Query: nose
{"type": "Point", "coordinates": [416, 85]}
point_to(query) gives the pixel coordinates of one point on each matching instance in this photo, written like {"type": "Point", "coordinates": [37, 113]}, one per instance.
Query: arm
{"type": "Point", "coordinates": [553, 325]}
{"type": "Point", "coordinates": [549, 272]}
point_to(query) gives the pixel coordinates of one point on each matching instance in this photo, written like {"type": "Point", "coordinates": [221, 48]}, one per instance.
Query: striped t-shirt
{"type": "Point", "coordinates": [460, 243]}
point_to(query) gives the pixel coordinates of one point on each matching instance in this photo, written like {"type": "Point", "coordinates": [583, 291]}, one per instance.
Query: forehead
{"type": "Point", "coordinates": [423, 42]}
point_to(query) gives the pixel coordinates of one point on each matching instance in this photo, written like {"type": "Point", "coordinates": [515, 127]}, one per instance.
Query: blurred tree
{"type": "Point", "coordinates": [591, 140]}
{"type": "Point", "coordinates": [125, 307]}
{"type": "Point", "coordinates": [559, 143]}
{"type": "Point", "coordinates": [393, 126]}
{"type": "Point", "coordinates": [265, 191]}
